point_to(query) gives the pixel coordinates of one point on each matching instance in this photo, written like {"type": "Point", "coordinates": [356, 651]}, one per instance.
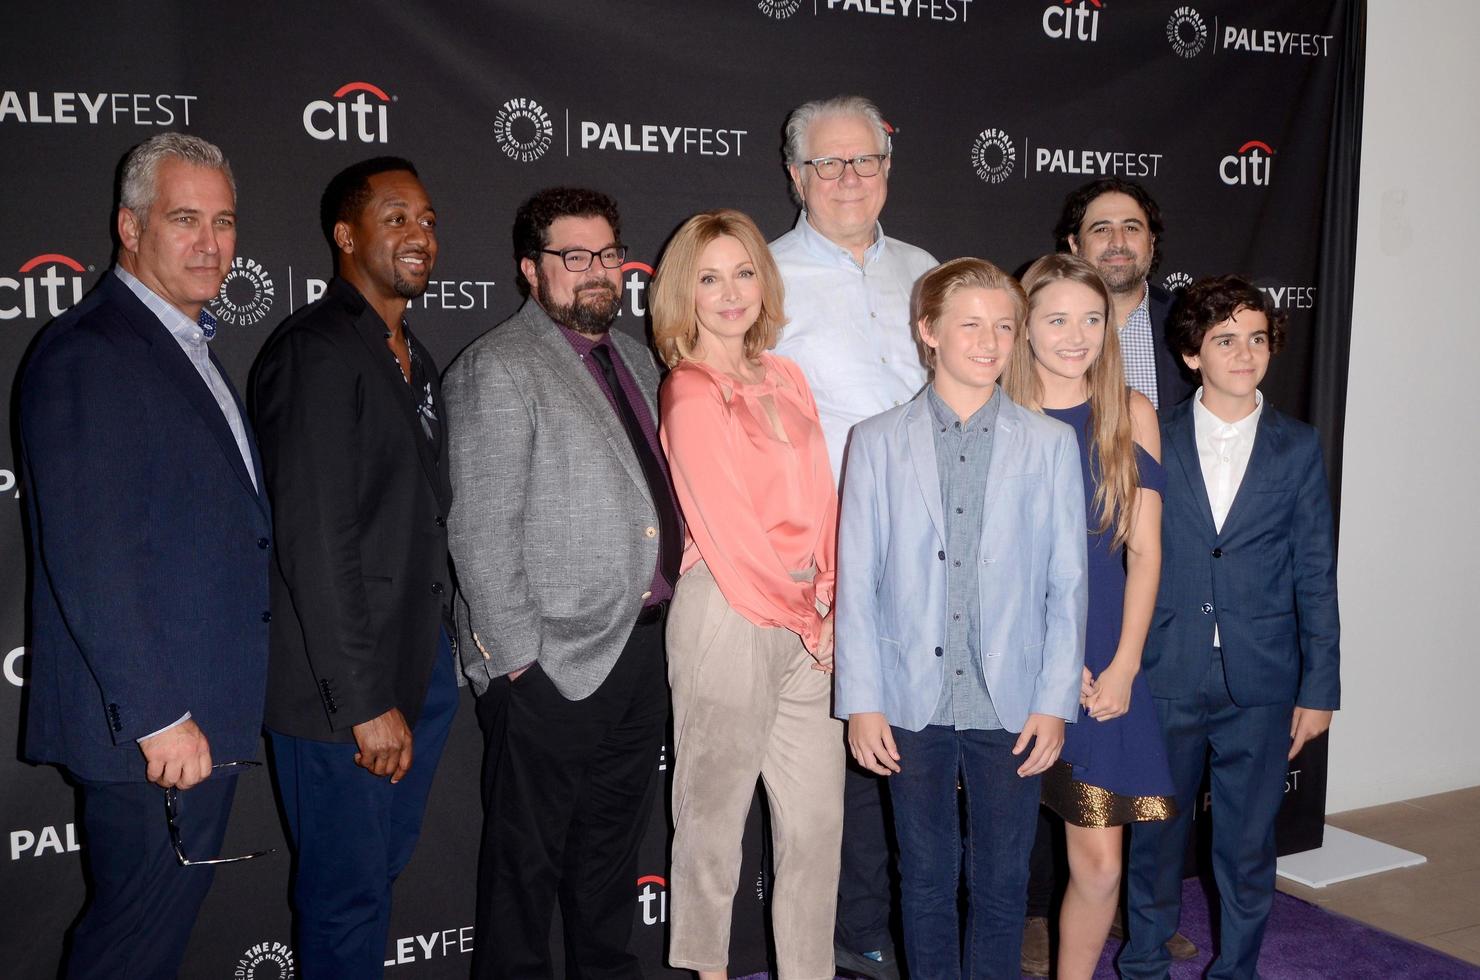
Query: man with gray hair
{"type": "Point", "coordinates": [150, 541]}
{"type": "Point", "coordinates": [848, 307]}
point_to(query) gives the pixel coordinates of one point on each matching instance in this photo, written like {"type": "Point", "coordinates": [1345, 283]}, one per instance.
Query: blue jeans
{"type": "Point", "coordinates": [353, 833]}
{"type": "Point", "coordinates": [1001, 811]}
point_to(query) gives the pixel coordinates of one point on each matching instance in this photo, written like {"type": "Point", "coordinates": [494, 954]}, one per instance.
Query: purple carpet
{"type": "Point", "coordinates": [1305, 942]}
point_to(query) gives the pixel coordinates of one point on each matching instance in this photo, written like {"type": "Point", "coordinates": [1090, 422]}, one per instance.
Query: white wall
{"type": "Point", "coordinates": [1410, 525]}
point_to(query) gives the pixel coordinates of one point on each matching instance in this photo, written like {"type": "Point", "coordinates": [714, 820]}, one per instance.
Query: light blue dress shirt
{"type": "Point", "coordinates": [191, 337]}
{"type": "Point", "coordinates": [848, 326]}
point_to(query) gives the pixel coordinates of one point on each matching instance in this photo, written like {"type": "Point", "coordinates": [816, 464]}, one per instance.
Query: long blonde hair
{"type": "Point", "coordinates": [1113, 452]}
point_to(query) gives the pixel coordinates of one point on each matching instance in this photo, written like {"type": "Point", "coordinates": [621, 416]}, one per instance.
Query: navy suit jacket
{"type": "Point", "coordinates": [1173, 381]}
{"type": "Point", "coordinates": [1268, 579]}
{"type": "Point", "coordinates": [149, 546]}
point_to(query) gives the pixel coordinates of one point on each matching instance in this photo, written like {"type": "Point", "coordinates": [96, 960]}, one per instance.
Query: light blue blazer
{"type": "Point", "coordinates": [891, 590]}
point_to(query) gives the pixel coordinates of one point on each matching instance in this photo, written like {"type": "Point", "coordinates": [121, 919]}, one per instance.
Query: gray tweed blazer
{"type": "Point", "coordinates": [552, 527]}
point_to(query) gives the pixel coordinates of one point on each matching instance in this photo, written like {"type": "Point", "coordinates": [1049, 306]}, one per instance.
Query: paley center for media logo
{"type": "Point", "coordinates": [1250, 165]}
{"type": "Point", "coordinates": [246, 295]}
{"type": "Point", "coordinates": [44, 287]}
{"type": "Point", "coordinates": [357, 111]}
{"type": "Point", "coordinates": [270, 960]}
{"type": "Point", "coordinates": [1187, 33]}
{"type": "Point", "coordinates": [1071, 21]}
{"type": "Point", "coordinates": [95, 108]}
{"type": "Point", "coordinates": [524, 131]}
{"type": "Point", "coordinates": [993, 156]}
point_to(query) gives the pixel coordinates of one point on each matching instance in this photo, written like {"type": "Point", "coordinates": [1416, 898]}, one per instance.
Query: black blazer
{"type": "Point", "coordinates": [150, 546]}
{"type": "Point", "coordinates": [1173, 379]}
{"type": "Point", "coordinates": [360, 500]}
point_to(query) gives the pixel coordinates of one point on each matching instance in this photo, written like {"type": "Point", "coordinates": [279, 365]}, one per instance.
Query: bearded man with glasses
{"type": "Point", "coordinates": [848, 309]}
{"type": "Point", "coordinates": [567, 542]}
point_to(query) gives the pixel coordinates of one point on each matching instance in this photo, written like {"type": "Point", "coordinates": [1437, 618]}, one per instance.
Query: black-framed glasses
{"type": "Point", "coordinates": [172, 814]}
{"type": "Point", "coordinates": [864, 165]}
{"type": "Point", "coordinates": [580, 259]}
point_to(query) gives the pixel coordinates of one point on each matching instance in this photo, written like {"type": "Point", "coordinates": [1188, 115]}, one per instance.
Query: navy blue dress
{"type": "Point", "coordinates": [1120, 772]}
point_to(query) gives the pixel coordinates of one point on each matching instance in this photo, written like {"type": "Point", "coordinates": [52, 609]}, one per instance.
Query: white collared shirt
{"type": "Point", "coordinates": [1223, 451]}
{"type": "Point", "coordinates": [848, 326]}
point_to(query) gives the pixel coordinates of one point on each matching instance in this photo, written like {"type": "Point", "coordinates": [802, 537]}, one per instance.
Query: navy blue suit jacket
{"type": "Point", "coordinates": [149, 546]}
{"type": "Point", "coordinates": [1268, 579]}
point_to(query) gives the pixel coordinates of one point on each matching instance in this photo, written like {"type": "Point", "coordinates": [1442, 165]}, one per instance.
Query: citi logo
{"type": "Point", "coordinates": [1250, 165]}
{"type": "Point", "coordinates": [1073, 23]}
{"type": "Point", "coordinates": [45, 286]}
{"type": "Point", "coordinates": [14, 664]}
{"type": "Point", "coordinates": [653, 890]}
{"type": "Point", "coordinates": [331, 120]}
{"type": "Point", "coordinates": [636, 276]}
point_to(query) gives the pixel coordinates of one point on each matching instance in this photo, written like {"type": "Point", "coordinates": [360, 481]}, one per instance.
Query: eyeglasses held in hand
{"type": "Point", "coordinates": [172, 813]}
{"type": "Point", "coordinates": [831, 168]}
{"type": "Point", "coordinates": [580, 259]}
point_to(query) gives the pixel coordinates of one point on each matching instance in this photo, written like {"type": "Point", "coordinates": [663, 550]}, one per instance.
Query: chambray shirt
{"type": "Point", "coordinates": [963, 457]}
{"type": "Point", "coordinates": [191, 337]}
{"type": "Point", "coordinates": [848, 326]}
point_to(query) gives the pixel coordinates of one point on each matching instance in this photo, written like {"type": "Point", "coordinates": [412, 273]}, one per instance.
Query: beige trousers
{"type": "Point", "coordinates": [746, 703]}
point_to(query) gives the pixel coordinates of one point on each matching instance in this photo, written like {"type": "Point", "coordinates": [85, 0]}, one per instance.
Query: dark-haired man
{"type": "Point", "coordinates": [1116, 224]}
{"type": "Point", "coordinates": [567, 544]}
{"type": "Point", "coordinates": [362, 682]}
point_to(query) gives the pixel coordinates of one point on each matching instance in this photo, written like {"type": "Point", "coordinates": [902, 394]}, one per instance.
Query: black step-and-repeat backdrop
{"type": "Point", "coordinates": [1000, 107]}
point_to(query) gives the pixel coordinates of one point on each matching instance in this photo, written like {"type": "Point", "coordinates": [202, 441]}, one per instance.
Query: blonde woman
{"type": "Point", "coordinates": [749, 634]}
{"type": "Point", "coordinates": [1113, 768]}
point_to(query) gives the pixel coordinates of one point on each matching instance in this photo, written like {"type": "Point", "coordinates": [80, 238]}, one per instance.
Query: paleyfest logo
{"type": "Point", "coordinates": [523, 130]}
{"type": "Point", "coordinates": [246, 295]}
{"type": "Point", "coordinates": [993, 156]}
{"type": "Point", "coordinates": [330, 120]}
{"type": "Point", "coordinates": [41, 287]}
{"type": "Point", "coordinates": [1187, 32]}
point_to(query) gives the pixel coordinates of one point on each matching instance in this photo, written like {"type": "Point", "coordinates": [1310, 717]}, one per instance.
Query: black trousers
{"type": "Point", "coordinates": [865, 892]}
{"type": "Point", "coordinates": [568, 790]}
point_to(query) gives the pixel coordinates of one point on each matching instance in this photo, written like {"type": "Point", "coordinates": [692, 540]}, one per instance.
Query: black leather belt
{"type": "Point", "coordinates": [652, 614]}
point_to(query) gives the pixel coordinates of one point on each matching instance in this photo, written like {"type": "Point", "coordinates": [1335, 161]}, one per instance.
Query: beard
{"type": "Point", "coordinates": [1122, 278]}
{"type": "Point", "coordinates": [589, 315]}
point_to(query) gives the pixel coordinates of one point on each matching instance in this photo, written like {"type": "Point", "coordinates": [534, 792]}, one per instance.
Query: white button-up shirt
{"type": "Point", "coordinates": [849, 326]}
{"type": "Point", "coordinates": [1223, 450]}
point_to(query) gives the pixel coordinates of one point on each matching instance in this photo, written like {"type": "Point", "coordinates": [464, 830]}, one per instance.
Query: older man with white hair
{"type": "Point", "coordinates": [848, 305]}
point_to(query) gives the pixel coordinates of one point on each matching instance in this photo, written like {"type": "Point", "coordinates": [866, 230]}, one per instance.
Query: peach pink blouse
{"type": "Point", "coordinates": [757, 508]}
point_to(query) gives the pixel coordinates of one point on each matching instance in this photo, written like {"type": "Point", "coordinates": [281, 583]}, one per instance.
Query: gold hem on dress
{"type": "Point", "coordinates": [1084, 805]}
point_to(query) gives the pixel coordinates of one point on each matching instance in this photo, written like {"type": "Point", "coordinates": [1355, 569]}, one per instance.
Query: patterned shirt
{"type": "Point", "coordinates": [1138, 349]}
{"type": "Point", "coordinates": [963, 457]}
